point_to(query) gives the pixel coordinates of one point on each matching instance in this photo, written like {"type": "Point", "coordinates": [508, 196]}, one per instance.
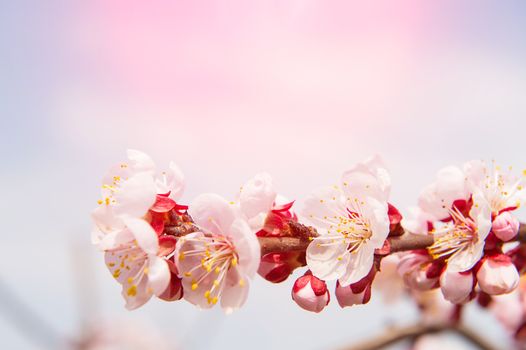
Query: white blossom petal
{"type": "Point", "coordinates": [257, 196]}
{"type": "Point", "coordinates": [135, 196]}
{"type": "Point", "coordinates": [212, 213]}
{"type": "Point", "coordinates": [158, 274]}
{"type": "Point", "coordinates": [146, 237]}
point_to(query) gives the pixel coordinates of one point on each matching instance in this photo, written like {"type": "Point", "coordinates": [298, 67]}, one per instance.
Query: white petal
{"type": "Point", "coordinates": [324, 206]}
{"type": "Point", "coordinates": [235, 291]}
{"type": "Point", "coordinates": [466, 259]}
{"type": "Point", "coordinates": [358, 267]}
{"type": "Point", "coordinates": [481, 212]}
{"type": "Point", "coordinates": [122, 267]}
{"type": "Point", "coordinates": [137, 295]}
{"type": "Point", "coordinates": [257, 195]}
{"type": "Point", "coordinates": [416, 221]}
{"type": "Point", "coordinates": [104, 217]}
{"type": "Point", "coordinates": [212, 213]}
{"type": "Point", "coordinates": [144, 234]}
{"type": "Point", "coordinates": [140, 161]}
{"type": "Point", "coordinates": [135, 196]}
{"type": "Point", "coordinates": [475, 171]}
{"type": "Point", "coordinates": [247, 247]}
{"type": "Point", "coordinates": [171, 181]}
{"type": "Point", "coordinates": [327, 262]}
{"type": "Point", "coordinates": [438, 197]}
{"type": "Point", "coordinates": [158, 274]}
{"type": "Point", "coordinates": [376, 213]}
{"type": "Point", "coordinates": [115, 239]}
{"type": "Point", "coordinates": [367, 179]}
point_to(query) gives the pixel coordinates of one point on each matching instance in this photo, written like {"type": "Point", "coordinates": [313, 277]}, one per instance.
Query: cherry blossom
{"type": "Point", "coordinates": [461, 240]}
{"type": "Point", "coordinates": [352, 220]}
{"type": "Point", "coordinates": [129, 224]}
{"type": "Point", "coordinates": [138, 265]}
{"type": "Point", "coordinates": [217, 262]}
{"type": "Point", "coordinates": [501, 189]}
{"type": "Point", "coordinates": [131, 190]}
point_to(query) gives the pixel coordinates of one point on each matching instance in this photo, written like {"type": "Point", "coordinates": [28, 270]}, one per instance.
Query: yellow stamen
{"type": "Point", "coordinates": [132, 291]}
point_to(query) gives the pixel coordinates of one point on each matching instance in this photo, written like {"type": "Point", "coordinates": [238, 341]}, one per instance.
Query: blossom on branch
{"type": "Point", "coordinates": [269, 215]}
{"type": "Point", "coordinates": [352, 221]}
{"type": "Point", "coordinates": [217, 262]}
{"type": "Point", "coordinates": [129, 224]}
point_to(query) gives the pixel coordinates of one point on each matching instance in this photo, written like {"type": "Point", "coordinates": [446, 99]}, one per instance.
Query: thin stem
{"type": "Point", "coordinates": [393, 336]}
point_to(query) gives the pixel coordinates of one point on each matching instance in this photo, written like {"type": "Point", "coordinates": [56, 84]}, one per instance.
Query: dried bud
{"type": "Point", "coordinates": [310, 293]}
{"type": "Point", "coordinates": [497, 275]}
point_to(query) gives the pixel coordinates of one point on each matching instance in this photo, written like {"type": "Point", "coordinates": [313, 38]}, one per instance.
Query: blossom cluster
{"type": "Point", "coordinates": [208, 252]}
{"type": "Point", "coordinates": [470, 213]}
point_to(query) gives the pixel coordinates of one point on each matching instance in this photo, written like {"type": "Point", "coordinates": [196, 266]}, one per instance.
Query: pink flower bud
{"type": "Point", "coordinates": [497, 275]}
{"type": "Point", "coordinates": [505, 226]}
{"type": "Point", "coordinates": [356, 293]}
{"type": "Point", "coordinates": [277, 267]}
{"type": "Point", "coordinates": [418, 270]}
{"type": "Point", "coordinates": [310, 293]}
{"type": "Point", "coordinates": [174, 291]}
{"type": "Point", "coordinates": [457, 287]}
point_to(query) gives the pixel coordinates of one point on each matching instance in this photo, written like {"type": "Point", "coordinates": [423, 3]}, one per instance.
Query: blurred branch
{"type": "Point", "coordinates": [27, 321]}
{"type": "Point", "coordinates": [411, 333]}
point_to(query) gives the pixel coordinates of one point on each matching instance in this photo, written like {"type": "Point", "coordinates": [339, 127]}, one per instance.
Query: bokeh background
{"type": "Point", "coordinates": [300, 88]}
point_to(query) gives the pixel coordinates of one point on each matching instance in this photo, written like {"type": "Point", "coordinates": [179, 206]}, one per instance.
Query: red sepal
{"type": "Point", "coordinates": [166, 245]}
{"type": "Point", "coordinates": [162, 204]}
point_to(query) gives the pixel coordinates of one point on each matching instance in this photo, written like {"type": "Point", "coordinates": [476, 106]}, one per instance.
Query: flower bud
{"type": "Point", "coordinates": [310, 293]}
{"type": "Point", "coordinates": [505, 226]}
{"type": "Point", "coordinates": [174, 291]}
{"type": "Point", "coordinates": [356, 293]}
{"type": "Point", "coordinates": [419, 271]}
{"type": "Point", "coordinates": [457, 287]}
{"type": "Point", "coordinates": [277, 267]}
{"type": "Point", "coordinates": [497, 275]}
{"type": "Point", "coordinates": [395, 227]}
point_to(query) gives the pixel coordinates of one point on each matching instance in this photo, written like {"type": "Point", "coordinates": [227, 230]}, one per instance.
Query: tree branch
{"type": "Point", "coordinates": [393, 336]}
{"type": "Point", "coordinates": [299, 236]}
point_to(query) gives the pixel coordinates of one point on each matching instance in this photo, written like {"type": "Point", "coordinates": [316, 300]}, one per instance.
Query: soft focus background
{"type": "Point", "coordinates": [301, 89]}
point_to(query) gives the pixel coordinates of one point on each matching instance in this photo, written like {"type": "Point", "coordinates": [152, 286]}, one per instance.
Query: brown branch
{"type": "Point", "coordinates": [299, 236]}
{"type": "Point", "coordinates": [393, 336]}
